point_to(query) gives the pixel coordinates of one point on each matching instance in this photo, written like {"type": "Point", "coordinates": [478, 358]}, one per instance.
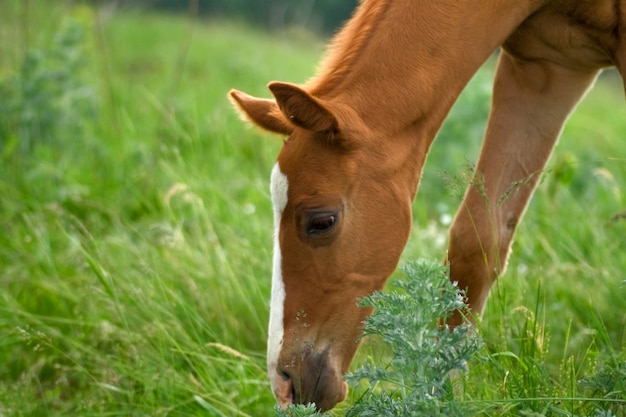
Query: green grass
{"type": "Point", "coordinates": [136, 224]}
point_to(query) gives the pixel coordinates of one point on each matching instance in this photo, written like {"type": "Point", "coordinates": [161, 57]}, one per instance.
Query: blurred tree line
{"type": "Point", "coordinates": [318, 15]}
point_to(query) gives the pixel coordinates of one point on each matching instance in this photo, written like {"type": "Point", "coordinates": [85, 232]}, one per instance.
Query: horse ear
{"type": "Point", "coordinates": [263, 113]}
{"type": "Point", "coordinates": [302, 109]}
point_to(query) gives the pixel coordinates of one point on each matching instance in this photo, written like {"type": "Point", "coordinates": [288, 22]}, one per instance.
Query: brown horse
{"type": "Point", "coordinates": [358, 135]}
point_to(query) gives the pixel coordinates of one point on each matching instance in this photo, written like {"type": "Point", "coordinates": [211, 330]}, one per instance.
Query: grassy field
{"type": "Point", "coordinates": [135, 219]}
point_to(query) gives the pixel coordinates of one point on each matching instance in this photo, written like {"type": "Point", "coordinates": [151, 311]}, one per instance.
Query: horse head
{"type": "Point", "coordinates": [341, 222]}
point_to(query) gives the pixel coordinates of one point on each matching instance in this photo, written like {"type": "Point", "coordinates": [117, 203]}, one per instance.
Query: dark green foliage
{"type": "Point", "coordinates": [608, 382]}
{"type": "Point", "coordinates": [324, 15]}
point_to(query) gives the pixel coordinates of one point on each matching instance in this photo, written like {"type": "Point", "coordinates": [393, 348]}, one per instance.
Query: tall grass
{"type": "Point", "coordinates": [136, 225]}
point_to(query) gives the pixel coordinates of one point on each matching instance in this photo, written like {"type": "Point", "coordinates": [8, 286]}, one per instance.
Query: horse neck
{"type": "Point", "coordinates": [399, 64]}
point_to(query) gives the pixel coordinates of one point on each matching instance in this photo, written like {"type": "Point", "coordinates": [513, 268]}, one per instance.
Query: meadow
{"type": "Point", "coordinates": [135, 226]}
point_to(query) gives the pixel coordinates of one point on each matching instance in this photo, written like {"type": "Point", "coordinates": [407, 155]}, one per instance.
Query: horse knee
{"type": "Point", "coordinates": [477, 254]}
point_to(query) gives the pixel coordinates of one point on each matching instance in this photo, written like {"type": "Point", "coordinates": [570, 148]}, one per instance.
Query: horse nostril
{"type": "Point", "coordinates": [286, 393]}
{"type": "Point", "coordinates": [292, 388]}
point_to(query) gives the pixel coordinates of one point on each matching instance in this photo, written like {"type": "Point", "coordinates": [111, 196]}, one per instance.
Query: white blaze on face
{"type": "Point", "coordinates": [278, 187]}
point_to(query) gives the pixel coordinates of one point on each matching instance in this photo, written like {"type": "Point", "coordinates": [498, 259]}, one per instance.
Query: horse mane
{"type": "Point", "coordinates": [346, 47]}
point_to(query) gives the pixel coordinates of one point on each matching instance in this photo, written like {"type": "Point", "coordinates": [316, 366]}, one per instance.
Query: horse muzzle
{"type": "Point", "coordinates": [307, 377]}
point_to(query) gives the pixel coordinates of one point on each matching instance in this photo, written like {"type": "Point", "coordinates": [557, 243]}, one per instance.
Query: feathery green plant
{"type": "Point", "coordinates": [299, 410]}
{"type": "Point", "coordinates": [416, 381]}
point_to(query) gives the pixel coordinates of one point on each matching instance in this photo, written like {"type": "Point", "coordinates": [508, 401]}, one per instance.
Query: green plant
{"type": "Point", "coordinates": [416, 381]}
{"type": "Point", "coordinates": [49, 101]}
{"type": "Point", "coordinates": [300, 410]}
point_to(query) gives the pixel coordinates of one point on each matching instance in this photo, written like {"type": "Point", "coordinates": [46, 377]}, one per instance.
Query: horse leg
{"type": "Point", "coordinates": [531, 101]}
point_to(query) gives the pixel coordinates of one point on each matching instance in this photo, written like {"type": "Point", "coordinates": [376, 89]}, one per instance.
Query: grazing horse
{"type": "Point", "coordinates": [358, 135]}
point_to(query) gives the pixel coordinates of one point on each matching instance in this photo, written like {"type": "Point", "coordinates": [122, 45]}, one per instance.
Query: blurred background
{"type": "Point", "coordinates": [322, 16]}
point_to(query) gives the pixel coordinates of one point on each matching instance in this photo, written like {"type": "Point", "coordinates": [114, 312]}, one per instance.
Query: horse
{"type": "Point", "coordinates": [358, 134]}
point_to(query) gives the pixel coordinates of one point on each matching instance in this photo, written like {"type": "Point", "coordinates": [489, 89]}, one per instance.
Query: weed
{"type": "Point", "coordinates": [300, 410]}
{"type": "Point", "coordinates": [49, 100]}
{"type": "Point", "coordinates": [416, 382]}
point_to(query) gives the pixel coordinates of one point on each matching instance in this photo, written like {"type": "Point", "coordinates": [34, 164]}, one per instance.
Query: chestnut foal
{"type": "Point", "coordinates": [358, 135]}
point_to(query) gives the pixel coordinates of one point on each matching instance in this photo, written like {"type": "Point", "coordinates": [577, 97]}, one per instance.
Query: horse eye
{"type": "Point", "coordinates": [320, 223]}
